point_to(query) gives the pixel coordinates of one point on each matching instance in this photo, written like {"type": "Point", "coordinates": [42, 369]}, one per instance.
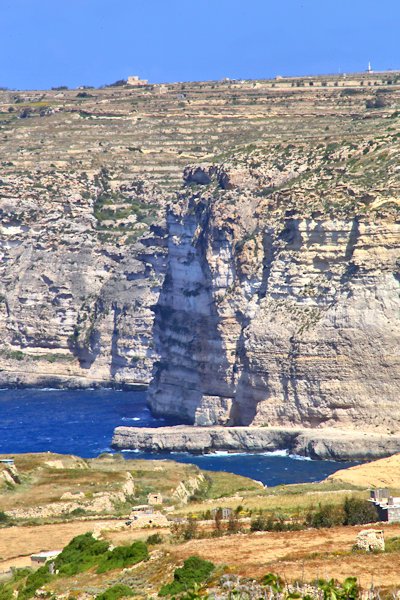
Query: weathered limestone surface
{"type": "Point", "coordinates": [314, 443]}
{"type": "Point", "coordinates": [278, 312]}
{"type": "Point", "coordinates": [280, 304]}
{"type": "Point", "coordinates": [371, 540]}
{"type": "Point", "coordinates": [74, 307]}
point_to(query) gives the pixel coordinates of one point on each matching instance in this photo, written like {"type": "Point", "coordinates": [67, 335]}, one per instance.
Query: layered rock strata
{"type": "Point", "coordinates": [280, 309]}
{"type": "Point", "coordinates": [317, 444]}
{"type": "Point", "coordinates": [85, 177]}
{"type": "Point", "coordinates": [74, 301]}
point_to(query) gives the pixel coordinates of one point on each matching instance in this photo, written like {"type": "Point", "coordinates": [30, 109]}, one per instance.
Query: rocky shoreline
{"type": "Point", "coordinates": [322, 444]}
{"type": "Point", "coordinates": [20, 380]}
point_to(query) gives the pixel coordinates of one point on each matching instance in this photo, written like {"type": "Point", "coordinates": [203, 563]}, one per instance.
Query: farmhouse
{"type": "Point", "coordinates": [135, 80]}
{"type": "Point", "coordinates": [388, 506]}
{"type": "Point", "coordinates": [40, 558]}
{"type": "Point", "coordinates": [145, 516]}
{"type": "Point", "coordinates": [154, 499]}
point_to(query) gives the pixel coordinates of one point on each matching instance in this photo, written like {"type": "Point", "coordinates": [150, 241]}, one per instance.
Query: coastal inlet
{"type": "Point", "coordinates": [81, 422]}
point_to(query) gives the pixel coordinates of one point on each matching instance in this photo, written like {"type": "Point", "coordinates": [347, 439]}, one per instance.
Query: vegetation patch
{"type": "Point", "coordinates": [195, 571]}
{"type": "Point", "coordinates": [82, 553]}
{"type": "Point", "coordinates": [116, 592]}
{"type": "Point", "coordinates": [123, 556]}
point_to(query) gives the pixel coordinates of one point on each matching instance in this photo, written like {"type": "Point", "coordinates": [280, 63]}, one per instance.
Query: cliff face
{"type": "Point", "coordinates": [74, 302]}
{"type": "Point", "coordinates": [280, 310]}
{"type": "Point", "coordinates": [281, 295]}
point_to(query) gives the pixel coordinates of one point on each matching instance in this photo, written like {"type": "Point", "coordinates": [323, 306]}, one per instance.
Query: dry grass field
{"type": "Point", "coordinates": [379, 473]}
{"type": "Point", "coordinates": [21, 542]}
{"type": "Point", "coordinates": [303, 555]}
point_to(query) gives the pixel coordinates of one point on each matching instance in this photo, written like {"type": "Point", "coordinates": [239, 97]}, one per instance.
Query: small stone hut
{"type": "Point", "coordinates": [154, 499]}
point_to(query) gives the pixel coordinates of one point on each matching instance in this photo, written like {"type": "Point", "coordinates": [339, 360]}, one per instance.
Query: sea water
{"type": "Point", "coordinates": [81, 422]}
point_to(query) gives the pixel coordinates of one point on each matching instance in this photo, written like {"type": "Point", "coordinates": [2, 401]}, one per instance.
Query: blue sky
{"type": "Point", "coordinates": [46, 43]}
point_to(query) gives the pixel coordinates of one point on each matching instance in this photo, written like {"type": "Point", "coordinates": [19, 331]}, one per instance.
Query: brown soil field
{"type": "Point", "coordinates": [20, 542]}
{"type": "Point", "coordinates": [303, 555]}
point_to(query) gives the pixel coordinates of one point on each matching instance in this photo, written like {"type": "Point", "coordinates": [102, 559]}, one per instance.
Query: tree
{"type": "Point", "coordinates": [233, 523]}
{"type": "Point", "coordinates": [357, 511]}
{"type": "Point", "coordinates": [218, 526]}
{"type": "Point", "coordinates": [190, 530]}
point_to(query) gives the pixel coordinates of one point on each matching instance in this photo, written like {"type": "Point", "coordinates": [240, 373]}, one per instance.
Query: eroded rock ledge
{"type": "Point", "coordinates": [324, 444]}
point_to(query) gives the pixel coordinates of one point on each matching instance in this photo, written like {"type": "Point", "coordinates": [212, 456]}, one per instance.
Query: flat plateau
{"type": "Point", "coordinates": [335, 444]}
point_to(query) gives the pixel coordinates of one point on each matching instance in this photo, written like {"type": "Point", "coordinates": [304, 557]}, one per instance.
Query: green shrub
{"type": "Point", "coordinates": [262, 523]}
{"type": "Point", "coordinates": [359, 512]}
{"type": "Point", "coordinates": [333, 590]}
{"type": "Point", "coordinates": [3, 517]}
{"type": "Point", "coordinates": [82, 553]}
{"type": "Point", "coordinates": [34, 581]}
{"type": "Point", "coordinates": [155, 538]}
{"type": "Point", "coordinates": [274, 582]}
{"type": "Point", "coordinates": [258, 524]}
{"type": "Point", "coordinates": [123, 556]}
{"type": "Point", "coordinates": [195, 570]}
{"type": "Point", "coordinates": [78, 512]}
{"type": "Point", "coordinates": [115, 592]}
{"type": "Point", "coordinates": [6, 592]}
{"type": "Point", "coordinates": [327, 515]}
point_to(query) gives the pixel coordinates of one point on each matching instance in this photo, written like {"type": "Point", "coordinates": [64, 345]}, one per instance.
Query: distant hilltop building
{"type": "Point", "coordinates": [369, 69]}
{"type": "Point", "coordinates": [135, 80]}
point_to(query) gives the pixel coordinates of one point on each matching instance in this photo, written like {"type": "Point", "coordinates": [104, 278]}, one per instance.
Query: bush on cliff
{"type": "Point", "coordinates": [195, 570]}
{"type": "Point", "coordinates": [82, 553]}
{"type": "Point", "coordinates": [123, 556]}
{"type": "Point", "coordinates": [116, 592]}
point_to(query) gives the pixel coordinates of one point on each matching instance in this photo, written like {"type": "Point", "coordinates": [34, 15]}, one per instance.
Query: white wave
{"type": "Point", "coordinates": [281, 453]}
{"type": "Point", "coordinates": [224, 454]}
{"type": "Point", "coordinates": [131, 419]}
{"type": "Point", "coordinates": [298, 457]}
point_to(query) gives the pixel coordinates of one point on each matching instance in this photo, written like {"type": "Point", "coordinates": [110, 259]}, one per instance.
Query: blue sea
{"type": "Point", "coordinates": [81, 422]}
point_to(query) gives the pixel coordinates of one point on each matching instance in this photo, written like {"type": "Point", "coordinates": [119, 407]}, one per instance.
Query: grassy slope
{"type": "Point", "coordinates": [379, 473]}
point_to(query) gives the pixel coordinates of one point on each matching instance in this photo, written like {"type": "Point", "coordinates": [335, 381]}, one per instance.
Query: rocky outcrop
{"type": "Point", "coordinates": [280, 311]}
{"type": "Point", "coordinates": [70, 502]}
{"type": "Point", "coordinates": [325, 444]}
{"type": "Point", "coordinates": [185, 489]}
{"type": "Point", "coordinates": [74, 301]}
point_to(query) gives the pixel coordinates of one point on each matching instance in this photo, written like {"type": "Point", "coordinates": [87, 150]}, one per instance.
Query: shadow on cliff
{"type": "Point", "coordinates": [193, 357]}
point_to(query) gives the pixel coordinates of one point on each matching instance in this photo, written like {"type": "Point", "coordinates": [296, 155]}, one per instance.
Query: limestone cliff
{"type": "Point", "coordinates": [75, 297]}
{"type": "Point", "coordinates": [281, 301]}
